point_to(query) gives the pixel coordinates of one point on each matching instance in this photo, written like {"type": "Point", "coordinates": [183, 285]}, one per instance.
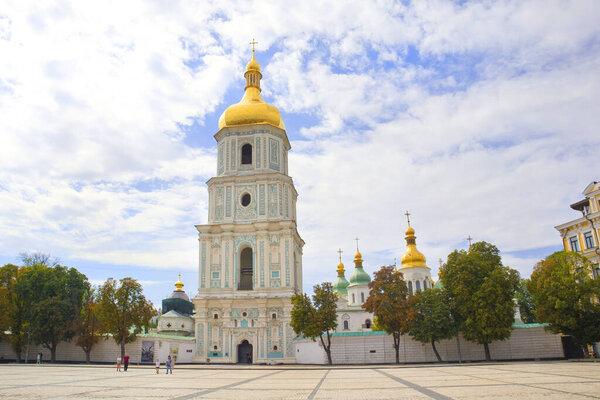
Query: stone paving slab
{"type": "Point", "coordinates": [501, 380]}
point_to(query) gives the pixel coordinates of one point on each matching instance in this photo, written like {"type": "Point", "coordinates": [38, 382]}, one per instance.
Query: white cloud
{"type": "Point", "coordinates": [480, 118]}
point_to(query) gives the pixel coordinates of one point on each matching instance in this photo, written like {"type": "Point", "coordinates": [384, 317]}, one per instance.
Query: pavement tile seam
{"type": "Point", "coordinates": [420, 389]}
{"type": "Point", "coordinates": [312, 394]}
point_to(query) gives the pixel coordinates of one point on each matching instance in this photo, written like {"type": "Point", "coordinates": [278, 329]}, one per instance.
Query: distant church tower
{"type": "Point", "coordinates": [416, 273]}
{"type": "Point", "coordinates": [250, 251]}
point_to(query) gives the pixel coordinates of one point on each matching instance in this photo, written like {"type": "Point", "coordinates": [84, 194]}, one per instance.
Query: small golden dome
{"type": "Point", "coordinates": [179, 285]}
{"type": "Point", "coordinates": [340, 269]}
{"type": "Point", "coordinates": [251, 109]}
{"type": "Point", "coordinates": [358, 255]}
{"type": "Point", "coordinates": [413, 257]}
{"type": "Point", "coordinates": [253, 65]}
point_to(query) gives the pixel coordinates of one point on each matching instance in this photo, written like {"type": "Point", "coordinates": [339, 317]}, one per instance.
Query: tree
{"type": "Point", "coordinates": [38, 258]}
{"type": "Point", "coordinates": [54, 296]}
{"type": "Point", "coordinates": [123, 310]}
{"type": "Point", "coordinates": [525, 302]}
{"type": "Point", "coordinates": [317, 318]}
{"type": "Point", "coordinates": [433, 319]}
{"type": "Point", "coordinates": [566, 296]}
{"type": "Point", "coordinates": [87, 326]}
{"type": "Point", "coordinates": [483, 291]}
{"type": "Point", "coordinates": [13, 310]}
{"type": "Point", "coordinates": [388, 300]}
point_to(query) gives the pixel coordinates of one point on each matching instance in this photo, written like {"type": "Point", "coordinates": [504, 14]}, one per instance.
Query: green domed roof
{"type": "Point", "coordinates": [359, 277]}
{"type": "Point", "coordinates": [340, 285]}
{"type": "Point", "coordinates": [438, 284]}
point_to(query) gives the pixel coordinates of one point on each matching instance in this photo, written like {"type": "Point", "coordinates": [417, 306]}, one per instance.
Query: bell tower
{"type": "Point", "coordinates": [250, 252]}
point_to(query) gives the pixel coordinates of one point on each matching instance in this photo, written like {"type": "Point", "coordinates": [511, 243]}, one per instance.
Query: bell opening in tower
{"type": "Point", "coordinates": [247, 154]}
{"type": "Point", "coordinates": [245, 282]}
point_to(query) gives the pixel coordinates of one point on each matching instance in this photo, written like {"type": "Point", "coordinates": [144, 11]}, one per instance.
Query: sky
{"type": "Point", "coordinates": [480, 118]}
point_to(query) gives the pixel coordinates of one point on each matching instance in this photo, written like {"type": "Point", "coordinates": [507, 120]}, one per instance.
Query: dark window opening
{"type": "Point", "coordinates": [368, 324]}
{"type": "Point", "coordinates": [246, 274]}
{"type": "Point", "coordinates": [216, 316]}
{"type": "Point", "coordinates": [274, 316]}
{"type": "Point", "coordinates": [346, 325]}
{"type": "Point", "coordinates": [215, 347]}
{"type": "Point", "coordinates": [247, 154]}
{"type": "Point", "coordinates": [275, 348]}
{"type": "Point", "coordinates": [246, 199]}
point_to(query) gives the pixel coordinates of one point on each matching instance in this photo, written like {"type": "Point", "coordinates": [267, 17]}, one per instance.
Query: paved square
{"type": "Point", "coordinates": [518, 380]}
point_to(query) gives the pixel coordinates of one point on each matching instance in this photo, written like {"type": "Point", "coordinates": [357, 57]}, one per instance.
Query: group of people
{"type": "Point", "coordinates": [170, 363]}
{"type": "Point", "coordinates": [125, 362]}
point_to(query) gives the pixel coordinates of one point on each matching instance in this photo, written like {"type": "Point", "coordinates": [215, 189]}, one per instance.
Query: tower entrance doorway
{"type": "Point", "coordinates": [244, 354]}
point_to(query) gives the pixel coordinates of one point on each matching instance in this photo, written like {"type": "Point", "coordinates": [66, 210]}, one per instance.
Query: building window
{"type": "Point", "coordinates": [418, 284]}
{"type": "Point", "coordinates": [574, 243]}
{"type": "Point", "coordinates": [215, 275]}
{"type": "Point", "coordinates": [368, 324]}
{"type": "Point", "coordinates": [274, 316]}
{"type": "Point", "coordinates": [246, 273]}
{"type": "Point", "coordinates": [247, 154]}
{"type": "Point", "coordinates": [215, 347]}
{"type": "Point", "coordinates": [424, 284]}
{"type": "Point", "coordinates": [410, 287]}
{"type": "Point", "coordinates": [346, 325]}
{"type": "Point", "coordinates": [589, 240]}
{"type": "Point", "coordinates": [362, 297]}
{"type": "Point", "coordinates": [216, 316]}
{"type": "Point", "coordinates": [275, 348]}
{"type": "Point", "coordinates": [353, 299]}
{"type": "Point", "coordinates": [245, 200]}
{"type": "Point", "coordinates": [586, 209]}
{"type": "Point", "coordinates": [596, 271]}
{"type": "Point", "coordinates": [274, 274]}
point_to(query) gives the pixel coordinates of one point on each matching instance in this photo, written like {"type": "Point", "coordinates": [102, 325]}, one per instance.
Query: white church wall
{"type": "Point", "coordinates": [377, 347]}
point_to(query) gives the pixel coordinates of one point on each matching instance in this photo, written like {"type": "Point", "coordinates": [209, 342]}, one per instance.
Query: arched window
{"type": "Point", "coordinates": [353, 299]}
{"type": "Point", "coordinates": [274, 316]}
{"type": "Point", "coordinates": [346, 325]}
{"type": "Point", "coordinates": [362, 297]}
{"type": "Point", "coordinates": [368, 323]}
{"type": "Point", "coordinates": [424, 284]}
{"type": "Point", "coordinates": [247, 154]}
{"type": "Point", "coordinates": [410, 287]}
{"type": "Point", "coordinates": [418, 286]}
{"type": "Point", "coordinates": [245, 282]}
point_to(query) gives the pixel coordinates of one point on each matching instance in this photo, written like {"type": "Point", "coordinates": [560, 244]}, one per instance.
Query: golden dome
{"type": "Point", "coordinates": [340, 269]}
{"type": "Point", "coordinates": [179, 285]}
{"type": "Point", "coordinates": [413, 257]}
{"type": "Point", "coordinates": [358, 255]}
{"type": "Point", "coordinates": [251, 109]}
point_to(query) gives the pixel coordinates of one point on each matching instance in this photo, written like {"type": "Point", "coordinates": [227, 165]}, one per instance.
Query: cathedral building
{"type": "Point", "coordinates": [416, 272]}
{"type": "Point", "coordinates": [250, 252]}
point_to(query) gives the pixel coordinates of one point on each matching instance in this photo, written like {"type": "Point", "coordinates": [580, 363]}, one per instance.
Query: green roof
{"type": "Point", "coordinates": [340, 285]}
{"type": "Point", "coordinates": [359, 277]}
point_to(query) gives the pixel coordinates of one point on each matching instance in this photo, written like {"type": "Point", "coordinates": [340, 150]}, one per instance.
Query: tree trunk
{"type": "Point", "coordinates": [327, 348]}
{"type": "Point", "coordinates": [486, 346]}
{"type": "Point", "coordinates": [458, 347]}
{"type": "Point", "coordinates": [18, 353]}
{"type": "Point", "coordinates": [397, 346]}
{"type": "Point", "coordinates": [87, 356]}
{"type": "Point", "coordinates": [435, 351]}
{"type": "Point", "coordinates": [28, 342]}
{"type": "Point", "coordinates": [123, 347]}
{"type": "Point", "coordinates": [53, 352]}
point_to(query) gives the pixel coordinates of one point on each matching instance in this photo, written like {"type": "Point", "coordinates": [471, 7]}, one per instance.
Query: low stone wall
{"type": "Point", "coordinates": [526, 342]}
{"type": "Point", "coordinates": [107, 350]}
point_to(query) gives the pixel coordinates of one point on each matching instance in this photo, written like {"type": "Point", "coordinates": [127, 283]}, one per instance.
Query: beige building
{"type": "Point", "coordinates": [581, 234]}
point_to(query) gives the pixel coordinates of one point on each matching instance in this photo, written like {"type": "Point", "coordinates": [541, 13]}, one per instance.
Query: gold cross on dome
{"type": "Point", "coordinates": [357, 239]}
{"type": "Point", "coordinates": [407, 218]}
{"type": "Point", "coordinates": [469, 239]}
{"type": "Point", "coordinates": [253, 42]}
{"type": "Point", "coordinates": [340, 253]}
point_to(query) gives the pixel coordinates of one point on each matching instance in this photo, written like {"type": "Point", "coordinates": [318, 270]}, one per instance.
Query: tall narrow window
{"type": "Point", "coordinates": [418, 283]}
{"type": "Point", "coordinates": [424, 284]}
{"type": "Point", "coordinates": [346, 325]}
{"type": "Point", "coordinates": [368, 324]}
{"type": "Point", "coordinates": [353, 299]}
{"type": "Point", "coordinates": [574, 243]}
{"type": "Point", "coordinates": [589, 240]}
{"type": "Point", "coordinates": [247, 154]}
{"type": "Point", "coordinates": [362, 297]}
{"type": "Point", "coordinates": [410, 287]}
{"type": "Point", "coordinates": [245, 282]}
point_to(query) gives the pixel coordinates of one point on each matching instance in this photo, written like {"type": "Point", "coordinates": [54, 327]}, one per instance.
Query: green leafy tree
{"type": "Point", "coordinates": [87, 326]}
{"type": "Point", "coordinates": [316, 318]}
{"type": "Point", "coordinates": [525, 302]}
{"type": "Point", "coordinates": [123, 310]}
{"type": "Point", "coordinates": [566, 296]}
{"type": "Point", "coordinates": [14, 325]}
{"type": "Point", "coordinates": [483, 291]}
{"type": "Point", "coordinates": [433, 319]}
{"type": "Point", "coordinates": [54, 295]}
{"type": "Point", "coordinates": [388, 301]}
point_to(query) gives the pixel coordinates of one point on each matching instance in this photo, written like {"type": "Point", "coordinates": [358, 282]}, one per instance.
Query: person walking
{"type": "Point", "coordinates": [157, 365]}
{"type": "Point", "coordinates": [39, 358]}
{"type": "Point", "coordinates": [168, 364]}
{"type": "Point", "coordinates": [118, 363]}
{"type": "Point", "coordinates": [126, 361]}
